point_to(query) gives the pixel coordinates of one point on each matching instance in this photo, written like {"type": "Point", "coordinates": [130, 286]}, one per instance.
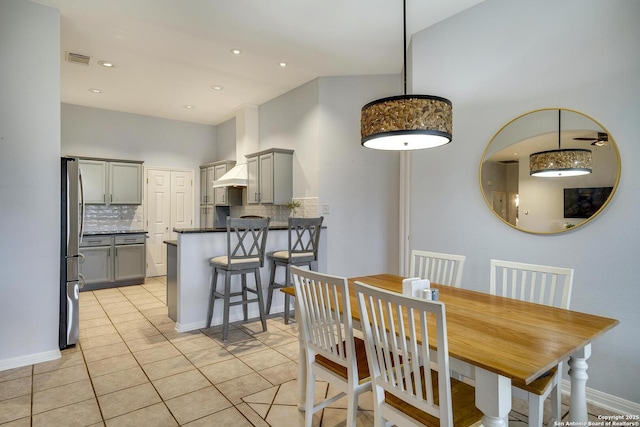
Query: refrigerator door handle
{"type": "Point", "coordinates": [81, 205]}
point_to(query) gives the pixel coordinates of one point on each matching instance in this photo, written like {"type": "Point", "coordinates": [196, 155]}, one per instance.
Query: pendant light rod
{"type": "Point", "coordinates": [559, 126]}
{"type": "Point", "coordinates": [406, 122]}
{"type": "Point", "coordinates": [404, 43]}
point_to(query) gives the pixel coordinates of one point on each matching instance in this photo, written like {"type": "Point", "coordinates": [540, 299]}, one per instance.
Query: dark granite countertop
{"type": "Point", "coordinates": [171, 242]}
{"type": "Point", "coordinates": [220, 229]}
{"type": "Point", "coordinates": [108, 233]}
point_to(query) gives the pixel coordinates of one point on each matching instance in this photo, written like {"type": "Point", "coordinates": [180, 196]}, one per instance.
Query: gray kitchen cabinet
{"type": "Point", "coordinates": [125, 183]}
{"type": "Point", "coordinates": [94, 180]}
{"type": "Point", "coordinates": [203, 185]}
{"type": "Point", "coordinates": [270, 177]}
{"type": "Point", "coordinates": [111, 182]}
{"type": "Point", "coordinates": [96, 262]}
{"type": "Point", "coordinates": [206, 216]}
{"type": "Point", "coordinates": [113, 260]}
{"type": "Point", "coordinates": [95, 267]}
{"type": "Point", "coordinates": [220, 194]}
{"type": "Point", "coordinates": [211, 197]}
{"type": "Point", "coordinates": [130, 262]}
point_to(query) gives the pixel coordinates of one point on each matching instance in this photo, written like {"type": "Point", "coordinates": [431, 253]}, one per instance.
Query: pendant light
{"type": "Point", "coordinates": [406, 122]}
{"type": "Point", "coordinates": [560, 163]}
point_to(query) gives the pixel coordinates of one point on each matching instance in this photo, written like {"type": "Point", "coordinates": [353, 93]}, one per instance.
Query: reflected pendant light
{"type": "Point", "coordinates": [560, 163]}
{"type": "Point", "coordinates": [406, 122]}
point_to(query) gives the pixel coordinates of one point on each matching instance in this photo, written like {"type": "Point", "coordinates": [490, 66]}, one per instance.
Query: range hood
{"type": "Point", "coordinates": [246, 142]}
{"type": "Point", "coordinates": [235, 177]}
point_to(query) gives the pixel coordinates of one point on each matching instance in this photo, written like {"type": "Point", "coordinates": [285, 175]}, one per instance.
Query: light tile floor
{"type": "Point", "coordinates": [131, 368]}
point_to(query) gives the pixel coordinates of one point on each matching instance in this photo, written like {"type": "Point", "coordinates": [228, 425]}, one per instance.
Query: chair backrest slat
{"type": "Point", "coordinates": [444, 269]}
{"type": "Point", "coordinates": [304, 235]}
{"type": "Point", "coordinates": [397, 331]}
{"type": "Point", "coordinates": [533, 283]}
{"type": "Point", "coordinates": [246, 238]}
{"type": "Point", "coordinates": [325, 314]}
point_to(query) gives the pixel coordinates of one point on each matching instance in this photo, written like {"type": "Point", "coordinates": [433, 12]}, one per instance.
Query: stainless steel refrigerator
{"type": "Point", "coordinates": [71, 213]}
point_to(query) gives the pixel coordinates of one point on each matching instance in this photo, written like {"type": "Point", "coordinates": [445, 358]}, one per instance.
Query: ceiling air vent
{"type": "Point", "coordinates": [76, 58]}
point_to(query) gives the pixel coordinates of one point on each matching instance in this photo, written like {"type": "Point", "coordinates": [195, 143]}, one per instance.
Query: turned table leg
{"type": "Point", "coordinates": [493, 398]}
{"type": "Point", "coordinates": [578, 374]}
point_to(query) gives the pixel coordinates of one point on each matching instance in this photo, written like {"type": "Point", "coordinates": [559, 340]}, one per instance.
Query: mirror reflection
{"type": "Point", "coordinates": [556, 201]}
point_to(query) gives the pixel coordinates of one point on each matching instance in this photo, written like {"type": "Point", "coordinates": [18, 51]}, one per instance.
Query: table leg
{"type": "Point", "coordinates": [493, 398]}
{"type": "Point", "coordinates": [302, 365]}
{"type": "Point", "coordinates": [578, 374]}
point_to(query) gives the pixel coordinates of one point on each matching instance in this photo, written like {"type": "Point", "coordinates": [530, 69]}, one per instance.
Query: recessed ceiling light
{"type": "Point", "coordinates": [106, 64]}
{"type": "Point", "coordinates": [216, 87]}
{"type": "Point", "coordinates": [189, 107]}
{"type": "Point", "coordinates": [236, 51]}
{"type": "Point", "coordinates": [283, 64]}
{"type": "Point", "coordinates": [93, 90]}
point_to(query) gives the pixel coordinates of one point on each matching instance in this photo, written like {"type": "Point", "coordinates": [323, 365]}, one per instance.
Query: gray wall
{"type": "Point", "coordinates": [321, 122]}
{"type": "Point", "coordinates": [496, 61]}
{"type": "Point", "coordinates": [226, 140]}
{"type": "Point", "coordinates": [93, 132]}
{"type": "Point", "coordinates": [360, 185]}
{"type": "Point", "coordinates": [29, 181]}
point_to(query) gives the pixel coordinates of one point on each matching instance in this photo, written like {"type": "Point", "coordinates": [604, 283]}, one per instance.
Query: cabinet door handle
{"type": "Point", "coordinates": [112, 198]}
{"type": "Point", "coordinates": [104, 198]}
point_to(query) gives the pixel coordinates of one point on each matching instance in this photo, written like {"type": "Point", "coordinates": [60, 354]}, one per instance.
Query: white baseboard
{"type": "Point", "coordinates": [30, 359]}
{"type": "Point", "coordinates": [606, 401]}
{"type": "Point", "coordinates": [234, 317]}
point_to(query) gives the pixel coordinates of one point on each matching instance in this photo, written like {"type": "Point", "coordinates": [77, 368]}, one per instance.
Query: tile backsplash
{"type": "Point", "coordinates": [113, 218]}
{"type": "Point", "coordinates": [278, 213]}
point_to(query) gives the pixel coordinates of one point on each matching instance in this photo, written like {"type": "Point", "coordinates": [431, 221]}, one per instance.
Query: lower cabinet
{"type": "Point", "coordinates": [96, 265]}
{"type": "Point", "coordinates": [113, 260]}
{"type": "Point", "coordinates": [129, 262]}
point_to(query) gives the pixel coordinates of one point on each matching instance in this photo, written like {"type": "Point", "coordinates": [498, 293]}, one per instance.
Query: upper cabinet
{"type": "Point", "coordinates": [111, 182]}
{"type": "Point", "coordinates": [94, 181]}
{"type": "Point", "coordinates": [207, 176]}
{"type": "Point", "coordinates": [222, 196]}
{"type": "Point", "coordinates": [270, 176]}
{"type": "Point", "coordinates": [125, 183]}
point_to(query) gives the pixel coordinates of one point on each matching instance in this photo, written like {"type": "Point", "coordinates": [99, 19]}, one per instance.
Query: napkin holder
{"type": "Point", "coordinates": [414, 286]}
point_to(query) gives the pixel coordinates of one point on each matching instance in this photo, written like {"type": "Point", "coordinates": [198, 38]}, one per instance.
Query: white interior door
{"type": "Point", "coordinates": [181, 201]}
{"type": "Point", "coordinates": [158, 220]}
{"type": "Point", "coordinates": [169, 204]}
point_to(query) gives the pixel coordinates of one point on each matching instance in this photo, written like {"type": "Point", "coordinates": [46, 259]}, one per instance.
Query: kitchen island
{"type": "Point", "coordinates": [190, 258]}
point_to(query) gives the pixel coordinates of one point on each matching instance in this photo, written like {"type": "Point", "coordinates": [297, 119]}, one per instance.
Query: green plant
{"type": "Point", "coordinates": [293, 206]}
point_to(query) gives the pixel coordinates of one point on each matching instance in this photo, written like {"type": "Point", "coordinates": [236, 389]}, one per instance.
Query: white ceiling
{"type": "Point", "coordinates": [168, 53]}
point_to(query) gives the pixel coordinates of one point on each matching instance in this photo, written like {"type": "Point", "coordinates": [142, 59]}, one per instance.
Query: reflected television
{"type": "Point", "coordinates": [584, 202]}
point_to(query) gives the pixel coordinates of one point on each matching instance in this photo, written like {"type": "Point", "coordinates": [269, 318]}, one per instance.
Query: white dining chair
{"type": "Point", "coordinates": [542, 285]}
{"type": "Point", "coordinates": [332, 352]}
{"type": "Point", "coordinates": [440, 268]}
{"type": "Point", "coordinates": [406, 390]}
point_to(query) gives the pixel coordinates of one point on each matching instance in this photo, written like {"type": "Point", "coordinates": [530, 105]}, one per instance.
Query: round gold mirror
{"type": "Point", "coordinates": [549, 171]}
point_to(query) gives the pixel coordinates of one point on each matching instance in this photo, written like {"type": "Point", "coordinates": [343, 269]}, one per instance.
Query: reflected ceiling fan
{"type": "Point", "coordinates": [601, 139]}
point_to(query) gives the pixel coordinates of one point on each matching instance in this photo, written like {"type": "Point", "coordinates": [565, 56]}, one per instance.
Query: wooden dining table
{"type": "Point", "coordinates": [501, 340]}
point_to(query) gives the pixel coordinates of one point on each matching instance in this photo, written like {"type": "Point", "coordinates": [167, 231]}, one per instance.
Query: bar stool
{"type": "Point", "coordinates": [245, 257]}
{"type": "Point", "coordinates": [304, 236]}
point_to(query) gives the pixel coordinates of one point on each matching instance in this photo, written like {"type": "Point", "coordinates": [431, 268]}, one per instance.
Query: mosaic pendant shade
{"type": "Point", "coordinates": [560, 162]}
{"type": "Point", "coordinates": [406, 122]}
